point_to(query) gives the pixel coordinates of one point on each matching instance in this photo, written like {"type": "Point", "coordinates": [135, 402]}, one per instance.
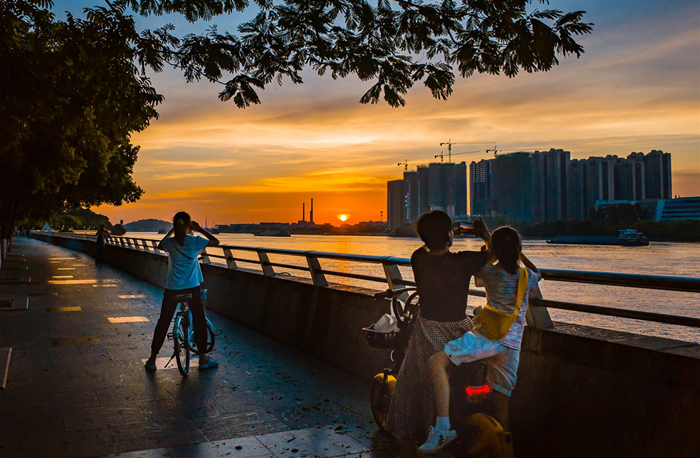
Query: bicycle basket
{"type": "Point", "coordinates": [381, 339]}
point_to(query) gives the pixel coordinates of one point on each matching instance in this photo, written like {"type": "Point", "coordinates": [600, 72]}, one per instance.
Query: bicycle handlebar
{"type": "Point", "coordinates": [392, 293]}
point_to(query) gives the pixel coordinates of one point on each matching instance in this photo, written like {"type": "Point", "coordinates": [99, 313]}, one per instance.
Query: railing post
{"type": "Point", "coordinates": [394, 278]}
{"type": "Point", "coordinates": [230, 262]}
{"type": "Point", "coordinates": [155, 246]}
{"type": "Point", "coordinates": [122, 242]}
{"type": "Point", "coordinates": [267, 269]}
{"type": "Point", "coordinates": [128, 242]}
{"type": "Point", "coordinates": [393, 275]}
{"type": "Point", "coordinates": [317, 275]}
{"type": "Point", "coordinates": [538, 317]}
{"type": "Point", "coordinates": [205, 257]}
{"type": "Point", "coordinates": [145, 245]}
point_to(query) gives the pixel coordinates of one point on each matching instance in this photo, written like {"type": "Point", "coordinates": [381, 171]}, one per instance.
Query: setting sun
{"type": "Point", "coordinates": [343, 217]}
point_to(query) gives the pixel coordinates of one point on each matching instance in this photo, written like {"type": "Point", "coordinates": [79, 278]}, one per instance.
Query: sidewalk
{"type": "Point", "coordinates": [76, 385]}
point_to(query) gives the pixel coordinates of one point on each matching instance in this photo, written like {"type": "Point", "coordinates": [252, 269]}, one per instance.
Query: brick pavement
{"type": "Point", "coordinates": [76, 386]}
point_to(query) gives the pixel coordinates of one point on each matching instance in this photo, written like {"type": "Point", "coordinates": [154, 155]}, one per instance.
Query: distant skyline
{"type": "Point", "coordinates": [636, 88]}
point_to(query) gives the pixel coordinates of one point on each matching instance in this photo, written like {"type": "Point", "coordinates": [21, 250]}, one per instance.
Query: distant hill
{"type": "Point", "coordinates": [148, 225]}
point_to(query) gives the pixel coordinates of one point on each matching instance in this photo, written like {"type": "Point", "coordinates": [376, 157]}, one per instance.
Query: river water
{"type": "Point", "coordinates": [674, 259]}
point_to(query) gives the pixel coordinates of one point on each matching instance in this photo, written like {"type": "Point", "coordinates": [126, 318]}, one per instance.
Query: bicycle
{"type": "Point", "coordinates": [383, 385]}
{"type": "Point", "coordinates": [471, 399]}
{"type": "Point", "coordinates": [183, 333]}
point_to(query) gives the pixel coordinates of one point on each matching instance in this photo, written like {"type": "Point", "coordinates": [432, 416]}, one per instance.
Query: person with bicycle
{"type": "Point", "coordinates": [442, 280]}
{"type": "Point", "coordinates": [496, 338]}
{"type": "Point", "coordinates": [101, 233]}
{"type": "Point", "coordinates": [184, 277]}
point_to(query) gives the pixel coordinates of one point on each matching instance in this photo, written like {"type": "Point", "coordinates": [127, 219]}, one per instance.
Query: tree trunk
{"type": "Point", "coordinates": [5, 232]}
{"type": "Point", "coordinates": [7, 226]}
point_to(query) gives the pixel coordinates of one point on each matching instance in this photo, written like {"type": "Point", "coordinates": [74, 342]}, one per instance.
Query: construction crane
{"type": "Point", "coordinates": [442, 154]}
{"type": "Point", "coordinates": [405, 165]}
{"type": "Point", "coordinates": [495, 150]}
{"type": "Point", "coordinates": [449, 144]}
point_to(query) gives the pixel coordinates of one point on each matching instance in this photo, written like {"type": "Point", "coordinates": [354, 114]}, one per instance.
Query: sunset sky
{"type": "Point", "coordinates": [636, 88]}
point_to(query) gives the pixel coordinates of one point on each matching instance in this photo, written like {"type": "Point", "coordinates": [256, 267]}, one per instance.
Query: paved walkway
{"type": "Point", "coordinates": [77, 388]}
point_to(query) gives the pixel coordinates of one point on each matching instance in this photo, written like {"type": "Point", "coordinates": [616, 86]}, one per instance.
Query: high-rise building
{"type": "Point", "coordinates": [551, 190]}
{"type": "Point", "coordinates": [411, 187]}
{"type": "Point", "coordinates": [423, 180]}
{"type": "Point", "coordinates": [395, 203]}
{"type": "Point", "coordinates": [629, 177]}
{"type": "Point", "coordinates": [481, 187]}
{"type": "Point", "coordinates": [657, 173]}
{"type": "Point", "coordinates": [540, 186]}
{"type": "Point", "coordinates": [447, 188]}
{"type": "Point", "coordinates": [432, 187]}
{"type": "Point", "coordinates": [577, 189]}
{"type": "Point", "coordinates": [459, 188]}
{"type": "Point", "coordinates": [513, 178]}
{"type": "Point", "coordinates": [600, 180]}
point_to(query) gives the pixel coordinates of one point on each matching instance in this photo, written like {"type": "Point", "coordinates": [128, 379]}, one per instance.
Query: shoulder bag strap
{"type": "Point", "coordinates": [523, 281]}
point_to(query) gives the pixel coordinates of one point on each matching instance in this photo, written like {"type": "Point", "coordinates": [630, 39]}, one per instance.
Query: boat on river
{"type": "Point", "coordinates": [630, 237]}
{"type": "Point", "coordinates": [626, 237]}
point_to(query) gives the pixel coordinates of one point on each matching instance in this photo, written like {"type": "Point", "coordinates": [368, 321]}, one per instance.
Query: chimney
{"type": "Point", "coordinates": [311, 212]}
{"type": "Point", "coordinates": [303, 211]}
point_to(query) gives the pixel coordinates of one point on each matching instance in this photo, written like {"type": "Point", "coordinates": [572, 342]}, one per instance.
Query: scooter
{"type": "Point", "coordinates": [472, 405]}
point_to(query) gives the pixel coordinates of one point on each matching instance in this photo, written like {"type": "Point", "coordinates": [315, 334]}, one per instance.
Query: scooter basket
{"type": "Point", "coordinates": [382, 339]}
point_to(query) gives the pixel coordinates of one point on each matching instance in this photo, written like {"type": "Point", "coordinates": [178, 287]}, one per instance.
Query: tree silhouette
{"type": "Point", "coordinates": [392, 44]}
{"type": "Point", "coordinates": [71, 98]}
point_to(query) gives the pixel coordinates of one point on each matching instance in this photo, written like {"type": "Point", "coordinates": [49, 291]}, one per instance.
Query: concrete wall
{"type": "Point", "coordinates": [581, 392]}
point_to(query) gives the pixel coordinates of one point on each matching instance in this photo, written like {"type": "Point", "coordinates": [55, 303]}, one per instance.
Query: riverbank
{"type": "Point", "coordinates": [656, 231]}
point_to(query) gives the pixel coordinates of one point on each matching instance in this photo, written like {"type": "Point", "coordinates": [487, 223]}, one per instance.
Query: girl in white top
{"type": "Point", "coordinates": [184, 277]}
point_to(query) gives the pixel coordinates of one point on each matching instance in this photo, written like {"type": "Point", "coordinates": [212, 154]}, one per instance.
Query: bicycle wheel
{"type": "Point", "coordinates": [182, 349]}
{"type": "Point", "coordinates": [382, 391]}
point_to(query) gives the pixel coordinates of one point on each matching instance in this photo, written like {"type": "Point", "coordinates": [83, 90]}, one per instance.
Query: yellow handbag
{"type": "Point", "coordinates": [493, 323]}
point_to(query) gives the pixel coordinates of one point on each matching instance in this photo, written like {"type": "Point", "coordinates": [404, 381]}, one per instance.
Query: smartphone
{"type": "Point", "coordinates": [464, 228]}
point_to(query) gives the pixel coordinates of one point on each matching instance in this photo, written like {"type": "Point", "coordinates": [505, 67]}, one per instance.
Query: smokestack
{"type": "Point", "coordinates": [303, 211]}
{"type": "Point", "coordinates": [311, 212]}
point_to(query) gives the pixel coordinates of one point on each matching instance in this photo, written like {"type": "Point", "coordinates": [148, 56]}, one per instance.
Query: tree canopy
{"type": "Point", "coordinates": [71, 96]}
{"type": "Point", "coordinates": [392, 44]}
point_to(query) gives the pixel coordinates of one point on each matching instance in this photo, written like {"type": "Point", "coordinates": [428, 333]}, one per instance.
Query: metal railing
{"type": "Point", "coordinates": [538, 315]}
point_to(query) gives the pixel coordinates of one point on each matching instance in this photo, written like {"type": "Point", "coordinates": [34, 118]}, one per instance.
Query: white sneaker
{"type": "Point", "coordinates": [437, 440]}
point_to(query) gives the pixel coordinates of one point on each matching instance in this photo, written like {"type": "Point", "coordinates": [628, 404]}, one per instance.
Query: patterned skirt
{"type": "Point", "coordinates": [412, 409]}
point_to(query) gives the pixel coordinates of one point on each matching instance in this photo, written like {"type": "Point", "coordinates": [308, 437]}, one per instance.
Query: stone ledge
{"type": "Point", "coordinates": [671, 361]}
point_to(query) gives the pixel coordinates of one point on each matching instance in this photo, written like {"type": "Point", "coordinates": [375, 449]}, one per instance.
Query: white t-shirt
{"type": "Point", "coordinates": [183, 265]}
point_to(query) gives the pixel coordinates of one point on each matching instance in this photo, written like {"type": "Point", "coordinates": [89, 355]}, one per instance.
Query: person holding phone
{"type": "Point", "coordinates": [502, 282]}
{"type": "Point", "coordinates": [184, 277]}
{"type": "Point", "coordinates": [442, 280]}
